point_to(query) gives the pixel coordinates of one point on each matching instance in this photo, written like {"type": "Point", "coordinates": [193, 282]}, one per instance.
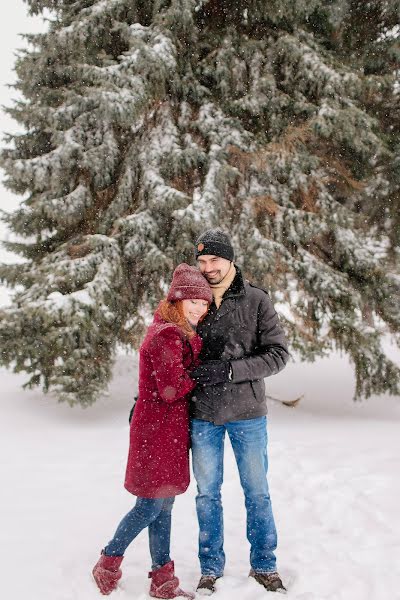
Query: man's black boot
{"type": "Point", "coordinates": [271, 581]}
{"type": "Point", "coordinates": [206, 585]}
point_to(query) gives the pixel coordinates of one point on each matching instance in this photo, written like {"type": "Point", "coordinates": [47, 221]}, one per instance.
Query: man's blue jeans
{"type": "Point", "coordinates": [249, 443]}
{"type": "Point", "coordinates": [154, 513]}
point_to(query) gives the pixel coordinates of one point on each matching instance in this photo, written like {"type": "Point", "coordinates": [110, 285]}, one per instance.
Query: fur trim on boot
{"type": "Point", "coordinates": [107, 573]}
{"type": "Point", "coordinates": [164, 583]}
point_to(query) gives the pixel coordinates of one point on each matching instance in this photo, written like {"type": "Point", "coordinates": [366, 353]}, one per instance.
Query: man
{"type": "Point", "coordinates": [243, 342]}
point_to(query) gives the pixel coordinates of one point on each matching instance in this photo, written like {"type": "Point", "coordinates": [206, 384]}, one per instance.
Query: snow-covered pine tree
{"type": "Point", "coordinates": [147, 121]}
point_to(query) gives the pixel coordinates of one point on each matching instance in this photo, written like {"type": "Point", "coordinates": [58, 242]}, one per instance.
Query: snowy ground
{"type": "Point", "coordinates": [334, 477]}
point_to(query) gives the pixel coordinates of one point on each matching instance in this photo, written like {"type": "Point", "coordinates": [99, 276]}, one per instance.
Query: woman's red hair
{"type": "Point", "coordinates": [172, 312]}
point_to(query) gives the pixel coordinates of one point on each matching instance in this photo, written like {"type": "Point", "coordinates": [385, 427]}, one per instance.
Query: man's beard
{"type": "Point", "coordinates": [217, 278]}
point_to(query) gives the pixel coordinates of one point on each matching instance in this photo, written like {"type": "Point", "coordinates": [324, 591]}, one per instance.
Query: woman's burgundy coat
{"type": "Point", "coordinates": [158, 460]}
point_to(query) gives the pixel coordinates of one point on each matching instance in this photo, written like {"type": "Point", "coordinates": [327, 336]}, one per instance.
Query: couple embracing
{"type": "Point", "coordinates": [202, 366]}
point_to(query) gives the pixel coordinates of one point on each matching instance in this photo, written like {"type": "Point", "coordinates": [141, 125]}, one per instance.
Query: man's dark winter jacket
{"type": "Point", "coordinates": [245, 330]}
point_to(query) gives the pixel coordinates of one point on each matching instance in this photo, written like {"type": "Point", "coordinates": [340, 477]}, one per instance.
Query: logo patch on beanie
{"type": "Point", "coordinates": [200, 247]}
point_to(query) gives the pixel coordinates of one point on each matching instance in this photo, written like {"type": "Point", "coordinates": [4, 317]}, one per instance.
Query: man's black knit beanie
{"type": "Point", "coordinates": [216, 243]}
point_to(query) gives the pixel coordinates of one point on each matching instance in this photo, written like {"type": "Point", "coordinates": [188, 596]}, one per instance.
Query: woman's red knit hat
{"type": "Point", "coordinates": [188, 283]}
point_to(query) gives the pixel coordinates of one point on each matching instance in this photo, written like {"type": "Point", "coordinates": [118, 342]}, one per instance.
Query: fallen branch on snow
{"type": "Point", "coordinates": [290, 403]}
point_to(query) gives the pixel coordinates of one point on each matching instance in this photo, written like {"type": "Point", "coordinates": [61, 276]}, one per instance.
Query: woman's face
{"type": "Point", "coordinates": [194, 310]}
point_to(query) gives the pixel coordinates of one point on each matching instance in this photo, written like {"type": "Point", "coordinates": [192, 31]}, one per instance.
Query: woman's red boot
{"type": "Point", "coordinates": [164, 583]}
{"type": "Point", "coordinates": [107, 573]}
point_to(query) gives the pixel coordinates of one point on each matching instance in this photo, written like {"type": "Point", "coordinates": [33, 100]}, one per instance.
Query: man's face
{"type": "Point", "coordinates": [214, 268]}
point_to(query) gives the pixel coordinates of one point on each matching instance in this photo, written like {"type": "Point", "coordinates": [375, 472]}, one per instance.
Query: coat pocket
{"type": "Point", "coordinates": [258, 389]}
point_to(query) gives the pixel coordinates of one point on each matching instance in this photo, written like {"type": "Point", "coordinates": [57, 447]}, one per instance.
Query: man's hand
{"type": "Point", "coordinates": [212, 372]}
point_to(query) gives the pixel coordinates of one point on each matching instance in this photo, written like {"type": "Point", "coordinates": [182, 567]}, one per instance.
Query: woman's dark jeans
{"type": "Point", "coordinates": [154, 513]}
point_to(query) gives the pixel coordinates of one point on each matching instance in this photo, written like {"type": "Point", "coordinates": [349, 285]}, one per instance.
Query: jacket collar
{"type": "Point", "coordinates": [160, 323]}
{"type": "Point", "coordinates": [237, 287]}
{"type": "Point", "coordinates": [236, 290]}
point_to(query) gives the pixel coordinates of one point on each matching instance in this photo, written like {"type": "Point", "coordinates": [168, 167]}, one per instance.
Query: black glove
{"type": "Point", "coordinates": [212, 372]}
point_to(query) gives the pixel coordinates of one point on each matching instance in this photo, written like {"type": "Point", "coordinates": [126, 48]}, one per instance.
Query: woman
{"type": "Point", "coordinates": [158, 460]}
